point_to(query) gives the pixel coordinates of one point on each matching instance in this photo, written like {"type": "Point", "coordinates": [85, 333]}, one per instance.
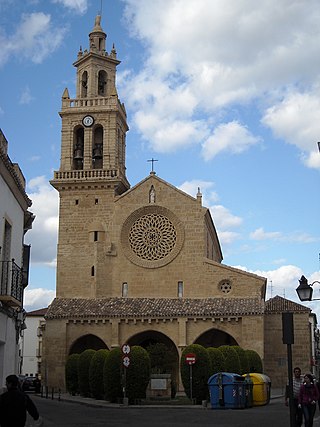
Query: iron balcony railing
{"type": "Point", "coordinates": [11, 280]}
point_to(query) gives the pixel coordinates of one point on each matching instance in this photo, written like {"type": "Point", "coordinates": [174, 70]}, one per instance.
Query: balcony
{"type": "Point", "coordinates": [11, 287]}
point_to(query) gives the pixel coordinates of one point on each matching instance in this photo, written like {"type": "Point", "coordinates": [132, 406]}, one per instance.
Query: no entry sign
{"type": "Point", "coordinates": [190, 359]}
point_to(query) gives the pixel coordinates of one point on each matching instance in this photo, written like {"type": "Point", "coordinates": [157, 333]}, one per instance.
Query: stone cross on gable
{"type": "Point", "coordinates": [152, 162]}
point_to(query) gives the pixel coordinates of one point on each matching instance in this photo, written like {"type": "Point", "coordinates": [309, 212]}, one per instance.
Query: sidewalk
{"type": "Point", "coordinates": [66, 397]}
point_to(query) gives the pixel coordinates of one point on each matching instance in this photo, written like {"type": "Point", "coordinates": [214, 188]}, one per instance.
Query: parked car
{"type": "Point", "coordinates": [31, 384]}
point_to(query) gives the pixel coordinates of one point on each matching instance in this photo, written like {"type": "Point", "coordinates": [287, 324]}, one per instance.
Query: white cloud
{"type": "Point", "coordinates": [34, 39]}
{"type": "Point", "coordinates": [78, 6]}
{"type": "Point", "coordinates": [26, 97]}
{"type": "Point", "coordinates": [296, 119]}
{"type": "Point", "coordinates": [35, 299]}
{"type": "Point", "coordinates": [205, 187]}
{"type": "Point", "coordinates": [232, 137]}
{"type": "Point", "coordinates": [43, 236]}
{"type": "Point", "coordinates": [260, 234]}
{"type": "Point", "coordinates": [208, 57]}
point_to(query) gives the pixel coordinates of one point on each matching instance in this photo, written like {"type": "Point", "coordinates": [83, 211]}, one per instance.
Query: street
{"type": "Point", "coordinates": [69, 414]}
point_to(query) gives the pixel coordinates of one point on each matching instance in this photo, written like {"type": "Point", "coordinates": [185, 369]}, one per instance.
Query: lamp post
{"type": "Point", "coordinates": [305, 291]}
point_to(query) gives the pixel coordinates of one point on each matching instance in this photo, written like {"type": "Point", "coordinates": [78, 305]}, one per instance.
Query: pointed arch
{"type": "Point", "coordinates": [215, 338]}
{"type": "Point", "coordinates": [86, 342]}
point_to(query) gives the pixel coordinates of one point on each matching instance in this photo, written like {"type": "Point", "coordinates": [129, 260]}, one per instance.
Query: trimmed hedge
{"type": "Point", "coordinates": [96, 373]}
{"type": "Point", "coordinates": [83, 372]}
{"type": "Point", "coordinates": [255, 362]}
{"type": "Point", "coordinates": [137, 374]}
{"type": "Point", "coordinates": [217, 360]}
{"type": "Point", "coordinates": [71, 373]}
{"type": "Point", "coordinates": [200, 372]}
{"type": "Point", "coordinates": [232, 362]}
{"type": "Point", "coordinates": [244, 363]}
{"type": "Point", "coordinates": [112, 371]}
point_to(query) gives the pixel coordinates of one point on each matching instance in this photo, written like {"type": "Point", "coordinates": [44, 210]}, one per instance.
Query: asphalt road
{"type": "Point", "coordinates": [69, 414]}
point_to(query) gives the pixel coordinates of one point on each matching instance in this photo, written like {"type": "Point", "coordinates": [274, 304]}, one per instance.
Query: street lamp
{"type": "Point", "coordinates": [305, 291]}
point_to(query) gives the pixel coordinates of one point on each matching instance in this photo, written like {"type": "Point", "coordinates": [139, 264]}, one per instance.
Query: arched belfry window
{"type": "Point", "coordinates": [84, 85]}
{"type": "Point", "coordinates": [97, 148]}
{"type": "Point", "coordinates": [78, 148]}
{"type": "Point", "coordinates": [102, 83]}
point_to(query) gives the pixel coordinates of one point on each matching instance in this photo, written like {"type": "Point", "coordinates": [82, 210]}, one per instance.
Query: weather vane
{"type": "Point", "coordinates": [152, 162]}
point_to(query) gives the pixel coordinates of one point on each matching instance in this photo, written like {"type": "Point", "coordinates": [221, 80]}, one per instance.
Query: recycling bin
{"type": "Point", "coordinates": [248, 391]}
{"type": "Point", "coordinates": [227, 391]}
{"type": "Point", "coordinates": [261, 388]}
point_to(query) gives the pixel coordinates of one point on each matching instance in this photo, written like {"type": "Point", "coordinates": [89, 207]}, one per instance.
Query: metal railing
{"type": "Point", "coordinates": [11, 280]}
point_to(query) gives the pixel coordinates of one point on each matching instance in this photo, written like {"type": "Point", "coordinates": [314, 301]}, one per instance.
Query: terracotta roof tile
{"type": "Point", "coordinates": [152, 307]}
{"type": "Point", "coordinates": [280, 305]}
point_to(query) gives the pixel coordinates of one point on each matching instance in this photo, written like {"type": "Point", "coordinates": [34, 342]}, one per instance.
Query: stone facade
{"type": "Point", "coordinates": [135, 265]}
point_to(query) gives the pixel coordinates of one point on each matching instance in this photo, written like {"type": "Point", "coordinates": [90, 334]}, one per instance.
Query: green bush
{"type": "Point", "coordinates": [71, 372]}
{"type": "Point", "coordinates": [217, 360]}
{"type": "Point", "coordinates": [244, 363]}
{"type": "Point", "coordinates": [96, 373]}
{"type": "Point", "coordinates": [83, 371]}
{"type": "Point", "coordinates": [112, 371]}
{"type": "Point", "coordinates": [200, 372]}
{"type": "Point", "coordinates": [255, 362]}
{"type": "Point", "coordinates": [232, 362]}
{"type": "Point", "coordinates": [137, 374]}
{"type": "Point", "coordinates": [162, 358]}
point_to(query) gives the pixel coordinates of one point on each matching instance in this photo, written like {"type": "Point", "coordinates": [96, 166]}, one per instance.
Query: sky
{"type": "Point", "coordinates": [224, 95]}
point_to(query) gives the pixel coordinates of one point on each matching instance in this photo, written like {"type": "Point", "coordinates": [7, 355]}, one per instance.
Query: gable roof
{"type": "Point", "coordinates": [130, 308]}
{"type": "Point", "coordinates": [39, 312]}
{"type": "Point", "coordinates": [282, 305]}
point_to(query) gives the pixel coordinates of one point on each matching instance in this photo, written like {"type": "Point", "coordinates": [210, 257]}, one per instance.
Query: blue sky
{"type": "Point", "coordinates": [225, 95]}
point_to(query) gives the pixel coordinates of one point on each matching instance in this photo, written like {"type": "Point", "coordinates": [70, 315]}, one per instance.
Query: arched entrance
{"type": "Point", "coordinates": [215, 338]}
{"type": "Point", "coordinates": [149, 338]}
{"type": "Point", "coordinates": [85, 342]}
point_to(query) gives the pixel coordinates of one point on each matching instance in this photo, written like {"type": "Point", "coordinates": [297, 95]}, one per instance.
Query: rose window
{"type": "Point", "coordinates": [225, 287]}
{"type": "Point", "coordinates": [152, 237]}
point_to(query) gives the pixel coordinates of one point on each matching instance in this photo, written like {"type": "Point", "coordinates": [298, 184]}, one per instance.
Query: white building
{"type": "Point", "coordinates": [31, 342]}
{"type": "Point", "coordinates": [15, 220]}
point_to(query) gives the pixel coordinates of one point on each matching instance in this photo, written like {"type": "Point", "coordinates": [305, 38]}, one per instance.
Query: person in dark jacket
{"type": "Point", "coordinates": [308, 398]}
{"type": "Point", "coordinates": [14, 405]}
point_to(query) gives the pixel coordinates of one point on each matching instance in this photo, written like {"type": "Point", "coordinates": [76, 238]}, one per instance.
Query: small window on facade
{"type": "Point", "coordinates": [180, 289]}
{"type": "Point", "coordinates": [77, 201]}
{"type": "Point", "coordinates": [92, 271]}
{"type": "Point", "coordinates": [96, 201]}
{"type": "Point", "coordinates": [95, 236]}
{"type": "Point", "coordinates": [124, 289]}
{"type": "Point", "coordinates": [225, 287]}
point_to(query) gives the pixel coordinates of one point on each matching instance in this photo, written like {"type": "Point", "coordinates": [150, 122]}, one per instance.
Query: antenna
{"type": "Point", "coordinates": [100, 8]}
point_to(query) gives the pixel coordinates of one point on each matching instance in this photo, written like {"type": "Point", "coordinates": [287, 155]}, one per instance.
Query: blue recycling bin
{"type": "Point", "coordinates": [227, 391]}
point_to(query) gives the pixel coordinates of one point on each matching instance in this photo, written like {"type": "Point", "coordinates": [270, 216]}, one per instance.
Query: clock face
{"type": "Point", "coordinates": [88, 121]}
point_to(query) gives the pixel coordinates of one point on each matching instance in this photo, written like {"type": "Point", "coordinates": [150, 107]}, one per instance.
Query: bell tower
{"type": "Point", "coordinates": [92, 166]}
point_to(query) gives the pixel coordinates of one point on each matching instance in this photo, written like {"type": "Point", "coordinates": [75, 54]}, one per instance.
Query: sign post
{"type": "Point", "coordinates": [126, 363]}
{"type": "Point", "coordinates": [190, 360]}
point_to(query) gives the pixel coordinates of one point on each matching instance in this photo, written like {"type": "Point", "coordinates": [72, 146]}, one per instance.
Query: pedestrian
{"type": "Point", "coordinates": [14, 405]}
{"type": "Point", "coordinates": [297, 382]}
{"type": "Point", "coordinates": [308, 398]}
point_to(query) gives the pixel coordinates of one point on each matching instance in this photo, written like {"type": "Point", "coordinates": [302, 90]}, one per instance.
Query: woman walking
{"type": "Point", "coordinates": [308, 398]}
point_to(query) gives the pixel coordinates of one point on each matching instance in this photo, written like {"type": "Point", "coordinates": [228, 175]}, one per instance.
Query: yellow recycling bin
{"type": "Point", "coordinates": [261, 389]}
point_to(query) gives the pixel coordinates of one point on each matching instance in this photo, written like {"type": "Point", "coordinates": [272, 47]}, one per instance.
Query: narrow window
{"type": "Point", "coordinates": [180, 289]}
{"type": "Point", "coordinates": [124, 289]}
{"type": "Point", "coordinates": [102, 83]}
{"type": "Point", "coordinates": [92, 271]}
{"type": "Point", "coordinates": [95, 236]}
{"type": "Point", "coordinates": [97, 148]}
{"type": "Point", "coordinates": [84, 85]}
{"type": "Point", "coordinates": [96, 201]}
{"type": "Point", "coordinates": [77, 201]}
{"type": "Point", "coordinates": [78, 149]}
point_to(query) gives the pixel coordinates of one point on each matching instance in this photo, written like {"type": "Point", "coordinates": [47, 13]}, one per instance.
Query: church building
{"type": "Point", "coordinates": [136, 264]}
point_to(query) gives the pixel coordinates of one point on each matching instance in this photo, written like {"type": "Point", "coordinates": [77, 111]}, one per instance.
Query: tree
{"type": "Point", "coordinates": [217, 360]}
{"type": "Point", "coordinates": [255, 362]}
{"type": "Point", "coordinates": [71, 372]}
{"type": "Point", "coordinates": [83, 371]}
{"type": "Point", "coordinates": [112, 375]}
{"type": "Point", "coordinates": [96, 373]}
{"type": "Point", "coordinates": [162, 358]}
{"type": "Point", "coordinates": [200, 372]}
{"type": "Point", "coordinates": [137, 374]}
{"type": "Point", "coordinates": [244, 363]}
{"type": "Point", "coordinates": [232, 362]}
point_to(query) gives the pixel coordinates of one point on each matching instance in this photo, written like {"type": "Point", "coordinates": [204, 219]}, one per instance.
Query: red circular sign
{"type": "Point", "coordinates": [190, 358]}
